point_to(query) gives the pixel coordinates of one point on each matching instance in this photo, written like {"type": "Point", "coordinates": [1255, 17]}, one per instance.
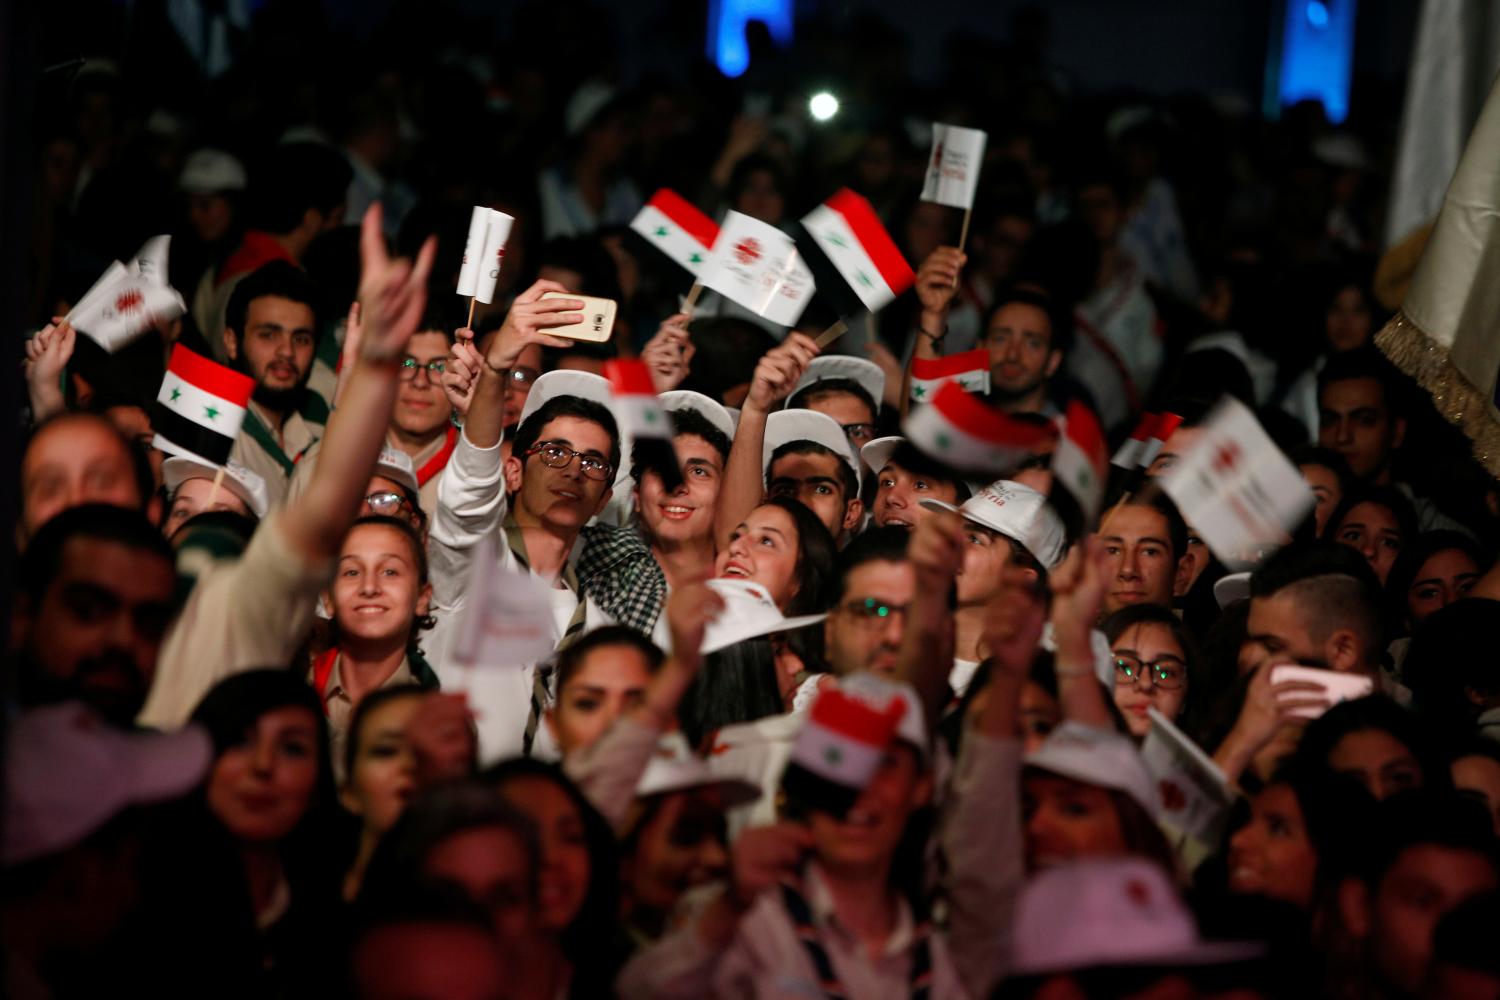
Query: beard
{"type": "Point", "coordinates": [110, 683]}
{"type": "Point", "coordinates": [1003, 396]}
{"type": "Point", "coordinates": [280, 400]}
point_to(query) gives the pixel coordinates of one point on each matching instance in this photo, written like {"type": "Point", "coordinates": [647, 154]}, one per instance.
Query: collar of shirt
{"type": "Point", "coordinates": [820, 901]}
{"type": "Point", "coordinates": [336, 692]}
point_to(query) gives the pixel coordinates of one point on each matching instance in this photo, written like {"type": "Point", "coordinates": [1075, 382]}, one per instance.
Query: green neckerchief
{"type": "Point", "coordinates": [261, 434]}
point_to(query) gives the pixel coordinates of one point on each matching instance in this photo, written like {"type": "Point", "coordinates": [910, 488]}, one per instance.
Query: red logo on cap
{"type": "Point", "coordinates": [747, 251]}
{"type": "Point", "coordinates": [1138, 892]}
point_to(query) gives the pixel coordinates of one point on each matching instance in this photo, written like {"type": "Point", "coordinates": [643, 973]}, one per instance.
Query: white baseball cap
{"type": "Point", "coordinates": [675, 768]}
{"type": "Point", "coordinates": [396, 465]}
{"type": "Point", "coordinates": [1110, 912]}
{"type": "Point", "coordinates": [1017, 512]}
{"type": "Point", "coordinates": [687, 399]}
{"type": "Point", "coordinates": [862, 372]}
{"type": "Point", "coordinates": [879, 451]}
{"type": "Point", "coordinates": [566, 382]}
{"type": "Point", "coordinates": [68, 772]}
{"type": "Point", "coordinates": [748, 613]}
{"type": "Point", "coordinates": [248, 486]}
{"type": "Point", "coordinates": [212, 171]}
{"type": "Point", "coordinates": [1230, 588]}
{"type": "Point", "coordinates": [786, 426]}
{"type": "Point", "coordinates": [1100, 757]}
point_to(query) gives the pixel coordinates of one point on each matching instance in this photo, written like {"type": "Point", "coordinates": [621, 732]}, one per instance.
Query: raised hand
{"type": "Point", "coordinates": [763, 856]}
{"type": "Point", "coordinates": [47, 356]}
{"type": "Point", "coordinates": [936, 552]}
{"type": "Point", "coordinates": [1266, 710]}
{"type": "Point", "coordinates": [1014, 622]}
{"type": "Point", "coordinates": [1077, 595]}
{"type": "Point", "coordinates": [528, 321]}
{"type": "Point", "coordinates": [669, 354]}
{"type": "Point", "coordinates": [937, 283]}
{"type": "Point", "coordinates": [461, 374]}
{"type": "Point", "coordinates": [689, 610]}
{"type": "Point", "coordinates": [778, 372]}
{"type": "Point", "coordinates": [392, 292]}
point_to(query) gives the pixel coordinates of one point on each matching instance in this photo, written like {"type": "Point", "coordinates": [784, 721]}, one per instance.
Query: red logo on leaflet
{"type": "Point", "coordinates": [1172, 797]}
{"type": "Point", "coordinates": [937, 156]}
{"type": "Point", "coordinates": [1227, 457]}
{"type": "Point", "coordinates": [747, 251]}
{"type": "Point", "coordinates": [129, 301]}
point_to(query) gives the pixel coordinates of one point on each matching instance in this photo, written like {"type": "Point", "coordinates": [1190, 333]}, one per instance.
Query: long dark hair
{"type": "Point", "coordinates": [736, 684]}
{"type": "Point", "coordinates": [816, 555]}
{"type": "Point", "coordinates": [595, 922]}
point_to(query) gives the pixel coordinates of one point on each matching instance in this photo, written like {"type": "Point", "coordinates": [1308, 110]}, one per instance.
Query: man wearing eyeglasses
{"type": "Point", "coordinates": [848, 390]}
{"type": "Point", "coordinates": [420, 426]}
{"type": "Point", "coordinates": [558, 475]}
{"type": "Point", "coordinates": [864, 629]}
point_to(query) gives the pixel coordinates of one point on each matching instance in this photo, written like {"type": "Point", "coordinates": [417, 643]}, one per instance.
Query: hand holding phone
{"type": "Point", "coordinates": [598, 318]}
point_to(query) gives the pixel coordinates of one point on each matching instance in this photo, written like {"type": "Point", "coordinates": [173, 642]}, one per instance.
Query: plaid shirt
{"type": "Point", "coordinates": [617, 570]}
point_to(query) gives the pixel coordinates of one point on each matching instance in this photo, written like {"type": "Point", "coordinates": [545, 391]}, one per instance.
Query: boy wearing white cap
{"type": "Point", "coordinates": [813, 908]}
{"type": "Point", "coordinates": [559, 475]}
{"type": "Point", "coordinates": [903, 478]}
{"type": "Point", "coordinates": [847, 389]}
{"type": "Point", "coordinates": [1005, 524]}
{"type": "Point", "coordinates": [808, 458]}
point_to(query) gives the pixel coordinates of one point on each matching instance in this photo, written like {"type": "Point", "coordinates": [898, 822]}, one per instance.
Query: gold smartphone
{"type": "Point", "coordinates": [598, 319]}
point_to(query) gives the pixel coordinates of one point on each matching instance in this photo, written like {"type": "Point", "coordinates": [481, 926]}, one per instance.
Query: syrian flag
{"type": "Point", "coordinates": [1237, 489]}
{"type": "Point", "coordinates": [962, 431]}
{"type": "Point", "coordinates": [971, 370]}
{"type": "Point", "coordinates": [846, 230]}
{"type": "Point", "coordinates": [642, 419]}
{"type": "Point", "coordinates": [1145, 442]}
{"type": "Point", "coordinates": [953, 170]}
{"type": "Point", "coordinates": [673, 225]}
{"type": "Point", "coordinates": [839, 749]}
{"type": "Point", "coordinates": [200, 407]}
{"type": "Point", "coordinates": [1080, 462]}
{"type": "Point", "coordinates": [757, 266]}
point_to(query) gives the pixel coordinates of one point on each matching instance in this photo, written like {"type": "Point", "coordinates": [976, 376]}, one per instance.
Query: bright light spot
{"type": "Point", "coordinates": [823, 106]}
{"type": "Point", "coordinates": [1317, 13]}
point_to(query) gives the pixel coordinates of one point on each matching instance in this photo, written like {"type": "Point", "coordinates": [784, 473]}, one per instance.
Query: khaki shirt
{"type": "Point", "coordinates": [297, 434]}
{"type": "Point", "coordinates": [252, 612]}
{"type": "Point", "coordinates": [340, 706]}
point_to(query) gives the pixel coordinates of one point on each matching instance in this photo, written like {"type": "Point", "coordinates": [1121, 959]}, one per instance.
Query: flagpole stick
{"type": "Point", "coordinates": [213, 493]}
{"type": "Point", "coordinates": [470, 323]}
{"type": "Point", "coordinates": [963, 235]}
{"type": "Point", "coordinates": [691, 301]}
{"type": "Point", "coordinates": [834, 332]}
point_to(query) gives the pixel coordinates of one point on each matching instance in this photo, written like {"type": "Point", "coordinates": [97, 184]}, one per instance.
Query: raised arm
{"type": "Point", "coordinates": [392, 294]}
{"type": "Point", "coordinates": [1077, 595]}
{"type": "Point", "coordinates": [527, 323]}
{"type": "Point", "coordinates": [937, 285]}
{"type": "Point", "coordinates": [936, 551]}
{"type": "Point", "coordinates": [47, 356]}
{"type": "Point", "coordinates": [744, 476]}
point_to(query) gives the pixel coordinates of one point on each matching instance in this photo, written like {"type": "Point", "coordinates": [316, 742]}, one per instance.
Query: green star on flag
{"type": "Point", "coordinates": [176, 392]}
{"type": "Point", "coordinates": [649, 416]}
{"type": "Point", "coordinates": [696, 258]}
{"type": "Point", "coordinates": [919, 391]}
{"type": "Point", "coordinates": [836, 240]}
{"type": "Point", "coordinates": [943, 441]}
{"type": "Point", "coordinates": [864, 279]}
{"type": "Point", "coordinates": [833, 756]}
{"type": "Point", "coordinates": [661, 230]}
{"type": "Point", "coordinates": [211, 412]}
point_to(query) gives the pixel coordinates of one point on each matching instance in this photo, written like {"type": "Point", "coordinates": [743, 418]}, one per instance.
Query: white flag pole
{"type": "Point", "coordinates": [692, 299]}
{"type": "Point", "coordinates": [213, 493]}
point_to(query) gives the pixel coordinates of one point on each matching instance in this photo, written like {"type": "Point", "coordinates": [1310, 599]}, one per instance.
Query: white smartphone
{"type": "Point", "coordinates": [598, 318]}
{"type": "Point", "coordinates": [1336, 686]}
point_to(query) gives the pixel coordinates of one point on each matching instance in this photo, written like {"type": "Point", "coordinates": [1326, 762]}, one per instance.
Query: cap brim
{"type": "Point", "coordinates": [939, 505]}
{"type": "Point", "coordinates": [878, 452]}
{"type": "Point", "coordinates": [1231, 589]}
{"type": "Point", "coordinates": [178, 469]}
{"type": "Point", "coordinates": [785, 625]}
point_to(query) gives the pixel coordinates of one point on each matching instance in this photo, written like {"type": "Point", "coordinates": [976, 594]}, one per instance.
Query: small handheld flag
{"type": "Point", "coordinates": [200, 407]}
{"type": "Point", "coordinates": [953, 170]}
{"type": "Point", "coordinates": [1237, 489]}
{"type": "Point", "coordinates": [468, 275]}
{"type": "Point", "coordinates": [496, 234]}
{"type": "Point", "coordinates": [1145, 442]}
{"type": "Point", "coordinates": [643, 419]}
{"type": "Point", "coordinates": [1079, 464]}
{"type": "Point", "coordinates": [961, 431]}
{"type": "Point", "coordinates": [758, 267]}
{"type": "Point", "coordinates": [676, 227]}
{"type": "Point", "coordinates": [127, 301]}
{"type": "Point", "coordinates": [846, 230]}
{"type": "Point", "coordinates": [971, 370]}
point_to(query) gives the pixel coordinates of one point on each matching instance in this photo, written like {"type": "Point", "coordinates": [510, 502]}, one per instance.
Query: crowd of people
{"type": "Point", "coordinates": [822, 715]}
